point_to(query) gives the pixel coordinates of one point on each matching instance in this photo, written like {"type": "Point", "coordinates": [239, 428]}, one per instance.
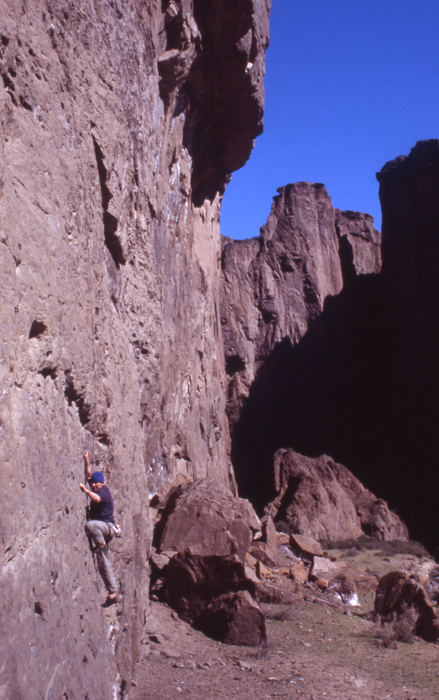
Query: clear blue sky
{"type": "Point", "coordinates": [350, 84]}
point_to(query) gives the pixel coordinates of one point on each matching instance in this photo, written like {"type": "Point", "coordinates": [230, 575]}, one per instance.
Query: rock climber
{"type": "Point", "coordinates": [99, 526]}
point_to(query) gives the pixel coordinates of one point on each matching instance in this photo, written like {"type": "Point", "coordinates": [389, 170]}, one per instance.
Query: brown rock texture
{"type": "Point", "coordinates": [215, 595]}
{"type": "Point", "coordinates": [274, 285]}
{"type": "Point", "coordinates": [327, 355]}
{"type": "Point", "coordinates": [119, 133]}
{"type": "Point", "coordinates": [206, 518]}
{"type": "Point", "coordinates": [235, 618]}
{"type": "Point", "coordinates": [290, 307]}
{"type": "Point", "coordinates": [398, 594]}
{"type": "Point", "coordinates": [322, 499]}
{"type": "Point", "coordinates": [205, 533]}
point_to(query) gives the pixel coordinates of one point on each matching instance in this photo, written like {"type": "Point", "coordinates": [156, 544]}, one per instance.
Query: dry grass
{"type": "Point", "coordinates": [400, 629]}
{"type": "Point", "coordinates": [279, 613]}
{"type": "Point", "coordinates": [354, 546]}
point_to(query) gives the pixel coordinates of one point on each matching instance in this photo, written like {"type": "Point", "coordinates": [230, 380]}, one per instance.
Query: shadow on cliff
{"type": "Point", "coordinates": [331, 394]}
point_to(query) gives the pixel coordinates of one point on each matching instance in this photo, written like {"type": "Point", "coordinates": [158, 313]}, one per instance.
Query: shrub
{"type": "Point", "coordinates": [400, 629]}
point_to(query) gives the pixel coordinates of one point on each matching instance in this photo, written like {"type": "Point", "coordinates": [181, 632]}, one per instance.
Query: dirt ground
{"type": "Point", "coordinates": [314, 651]}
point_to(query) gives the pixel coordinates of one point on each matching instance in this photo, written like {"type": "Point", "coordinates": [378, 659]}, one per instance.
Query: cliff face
{"type": "Point", "coordinates": [121, 123]}
{"type": "Point", "coordinates": [409, 188]}
{"type": "Point", "coordinates": [277, 294]}
{"type": "Point", "coordinates": [325, 354]}
{"type": "Point", "coordinates": [275, 285]}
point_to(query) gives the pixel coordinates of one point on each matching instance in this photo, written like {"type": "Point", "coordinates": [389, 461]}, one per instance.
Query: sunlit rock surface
{"type": "Point", "coordinates": [121, 124]}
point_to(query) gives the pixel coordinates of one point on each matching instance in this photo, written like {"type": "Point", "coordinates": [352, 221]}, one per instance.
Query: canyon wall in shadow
{"type": "Point", "coordinates": [353, 372]}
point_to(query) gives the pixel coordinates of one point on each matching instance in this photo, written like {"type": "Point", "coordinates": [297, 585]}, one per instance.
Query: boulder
{"type": "Point", "coordinates": [264, 554]}
{"type": "Point", "coordinates": [206, 532]}
{"type": "Point", "coordinates": [324, 568]}
{"type": "Point", "coordinates": [215, 594]}
{"type": "Point", "coordinates": [159, 561]}
{"type": "Point", "coordinates": [269, 535]}
{"type": "Point", "coordinates": [322, 499]}
{"type": "Point", "coordinates": [299, 572]}
{"type": "Point", "coordinates": [262, 571]}
{"type": "Point", "coordinates": [206, 518]}
{"type": "Point", "coordinates": [273, 593]}
{"type": "Point", "coordinates": [234, 618]}
{"type": "Point", "coordinates": [192, 581]}
{"type": "Point", "coordinates": [397, 593]}
{"type": "Point", "coordinates": [282, 539]}
{"type": "Point", "coordinates": [305, 545]}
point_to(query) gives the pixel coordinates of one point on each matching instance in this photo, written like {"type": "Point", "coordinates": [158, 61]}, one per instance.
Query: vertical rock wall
{"type": "Point", "coordinates": [118, 137]}
{"type": "Point", "coordinates": [409, 194]}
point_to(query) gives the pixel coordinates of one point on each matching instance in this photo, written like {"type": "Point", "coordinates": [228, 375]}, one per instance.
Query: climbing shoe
{"type": "Point", "coordinates": [109, 602]}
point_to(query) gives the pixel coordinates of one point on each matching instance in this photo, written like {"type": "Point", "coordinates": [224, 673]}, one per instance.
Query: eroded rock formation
{"type": "Point", "coordinates": [324, 500]}
{"type": "Point", "coordinates": [296, 319]}
{"type": "Point", "coordinates": [121, 123]}
{"type": "Point", "coordinates": [275, 285]}
{"type": "Point", "coordinates": [326, 354]}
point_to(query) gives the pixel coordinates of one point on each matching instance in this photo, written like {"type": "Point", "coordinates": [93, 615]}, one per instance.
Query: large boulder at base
{"type": "Point", "coordinates": [324, 500]}
{"type": "Point", "coordinates": [214, 594]}
{"type": "Point", "coordinates": [234, 618]}
{"type": "Point", "coordinates": [192, 581]}
{"type": "Point", "coordinates": [396, 594]}
{"type": "Point", "coordinates": [206, 518]}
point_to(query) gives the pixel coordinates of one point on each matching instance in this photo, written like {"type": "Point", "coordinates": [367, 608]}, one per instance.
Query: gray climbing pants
{"type": "Point", "coordinates": [101, 533]}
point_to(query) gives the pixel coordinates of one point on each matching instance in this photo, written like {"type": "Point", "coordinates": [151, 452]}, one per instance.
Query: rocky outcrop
{"type": "Point", "coordinates": [119, 131]}
{"type": "Point", "coordinates": [282, 291]}
{"type": "Point", "coordinates": [352, 374]}
{"type": "Point", "coordinates": [275, 285]}
{"type": "Point", "coordinates": [324, 500]}
{"type": "Point", "coordinates": [202, 535]}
